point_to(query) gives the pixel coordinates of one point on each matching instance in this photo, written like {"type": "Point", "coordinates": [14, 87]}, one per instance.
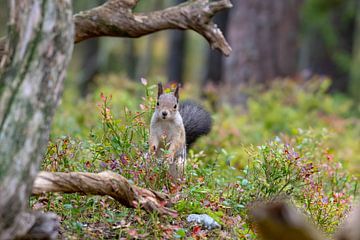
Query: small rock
{"type": "Point", "coordinates": [203, 219]}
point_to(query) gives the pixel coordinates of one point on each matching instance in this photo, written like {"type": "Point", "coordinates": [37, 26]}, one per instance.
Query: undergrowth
{"type": "Point", "coordinates": [292, 141]}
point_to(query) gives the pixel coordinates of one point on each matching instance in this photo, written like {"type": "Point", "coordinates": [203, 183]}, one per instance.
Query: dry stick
{"type": "Point", "coordinates": [116, 18]}
{"type": "Point", "coordinates": [104, 183]}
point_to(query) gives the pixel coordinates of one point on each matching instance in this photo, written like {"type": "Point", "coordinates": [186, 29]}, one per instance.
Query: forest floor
{"type": "Point", "coordinates": [292, 141]}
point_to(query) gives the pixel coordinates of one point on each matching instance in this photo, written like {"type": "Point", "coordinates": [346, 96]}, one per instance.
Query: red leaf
{"type": "Point", "coordinates": [196, 230]}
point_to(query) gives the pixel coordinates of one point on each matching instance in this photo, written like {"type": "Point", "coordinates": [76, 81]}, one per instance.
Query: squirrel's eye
{"type": "Point", "coordinates": [175, 106]}
{"type": "Point", "coordinates": [157, 104]}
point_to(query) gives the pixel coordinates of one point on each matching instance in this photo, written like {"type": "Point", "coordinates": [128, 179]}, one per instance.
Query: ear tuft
{"type": "Point", "coordinates": [176, 93]}
{"type": "Point", "coordinates": [160, 89]}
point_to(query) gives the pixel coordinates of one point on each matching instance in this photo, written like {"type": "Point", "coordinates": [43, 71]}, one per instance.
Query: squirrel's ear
{"type": "Point", "coordinates": [176, 93]}
{"type": "Point", "coordinates": [160, 89]}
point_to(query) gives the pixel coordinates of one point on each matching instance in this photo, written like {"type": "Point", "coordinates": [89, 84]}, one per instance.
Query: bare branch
{"type": "Point", "coordinates": [114, 18]}
{"type": "Point", "coordinates": [104, 183]}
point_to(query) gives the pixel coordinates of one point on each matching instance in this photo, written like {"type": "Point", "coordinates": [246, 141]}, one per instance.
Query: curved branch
{"type": "Point", "coordinates": [114, 18]}
{"type": "Point", "coordinates": [104, 183]}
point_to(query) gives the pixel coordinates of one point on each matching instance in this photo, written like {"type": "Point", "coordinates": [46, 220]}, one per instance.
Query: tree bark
{"type": "Point", "coordinates": [265, 38]}
{"type": "Point", "coordinates": [104, 183]}
{"type": "Point", "coordinates": [38, 50]}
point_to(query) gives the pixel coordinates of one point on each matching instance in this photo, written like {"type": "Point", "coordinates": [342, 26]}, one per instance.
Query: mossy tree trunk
{"type": "Point", "coordinates": [39, 47]}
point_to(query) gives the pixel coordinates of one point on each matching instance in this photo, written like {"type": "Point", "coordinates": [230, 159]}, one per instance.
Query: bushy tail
{"type": "Point", "coordinates": [197, 121]}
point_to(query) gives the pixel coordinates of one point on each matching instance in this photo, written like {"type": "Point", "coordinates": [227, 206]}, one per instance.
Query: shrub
{"type": "Point", "coordinates": [303, 169]}
{"type": "Point", "coordinates": [225, 173]}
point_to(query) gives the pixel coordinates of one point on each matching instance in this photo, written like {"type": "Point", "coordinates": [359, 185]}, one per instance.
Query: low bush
{"type": "Point", "coordinates": [292, 141]}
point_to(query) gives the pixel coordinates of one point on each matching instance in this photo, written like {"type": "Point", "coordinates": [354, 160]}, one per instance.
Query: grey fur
{"type": "Point", "coordinates": [197, 121]}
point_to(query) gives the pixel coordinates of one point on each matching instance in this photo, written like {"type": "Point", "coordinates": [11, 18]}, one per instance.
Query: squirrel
{"type": "Point", "coordinates": [179, 125]}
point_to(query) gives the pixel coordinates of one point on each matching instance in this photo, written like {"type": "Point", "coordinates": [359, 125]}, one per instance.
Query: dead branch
{"type": "Point", "coordinates": [115, 18]}
{"type": "Point", "coordinates": [104, 183]}
{"type": "Point", "coordinates": [280, 221]}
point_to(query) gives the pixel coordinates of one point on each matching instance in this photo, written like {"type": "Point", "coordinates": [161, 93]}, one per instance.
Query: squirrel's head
{"type": "Point", "coordinates": [167, 103]}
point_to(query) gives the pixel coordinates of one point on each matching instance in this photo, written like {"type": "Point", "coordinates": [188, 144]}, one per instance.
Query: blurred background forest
{"type": "Point", "coordinates": [274, 39]}
{"type": "Point", "coordinates": [290, 86]}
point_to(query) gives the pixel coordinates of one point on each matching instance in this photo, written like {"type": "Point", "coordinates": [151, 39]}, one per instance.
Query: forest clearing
{"type": "Point", "coordinates": [99, 141]}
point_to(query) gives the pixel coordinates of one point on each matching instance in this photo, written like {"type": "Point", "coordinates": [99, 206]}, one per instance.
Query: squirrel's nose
{"type": "Point", "coordinates": [164, 114]}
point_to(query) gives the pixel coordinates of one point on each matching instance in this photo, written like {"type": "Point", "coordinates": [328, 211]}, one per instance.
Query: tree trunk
{"type": "Point", "coordinates": [354, 85]}
{"type": "Point", "coordinates": [90, 66]}
{"type": "Point", "coordinates": [176, 56]}
{"type": "Point", "coordinates": [144, 64]}
{"type": "Point", "coordinates": [214, 69]}
{"type": "Point", "coordinates": [131, 58]}
{"type": "Point", "coordinates": [265, 42]}
{"type": "Point", "coordinates": [39, 47]}
{"type": "Point", "coordinates": [328, 40]}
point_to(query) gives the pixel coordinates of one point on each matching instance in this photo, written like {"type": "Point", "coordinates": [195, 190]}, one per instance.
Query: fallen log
{"type": "Point", "coordinates": [104, 183]}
